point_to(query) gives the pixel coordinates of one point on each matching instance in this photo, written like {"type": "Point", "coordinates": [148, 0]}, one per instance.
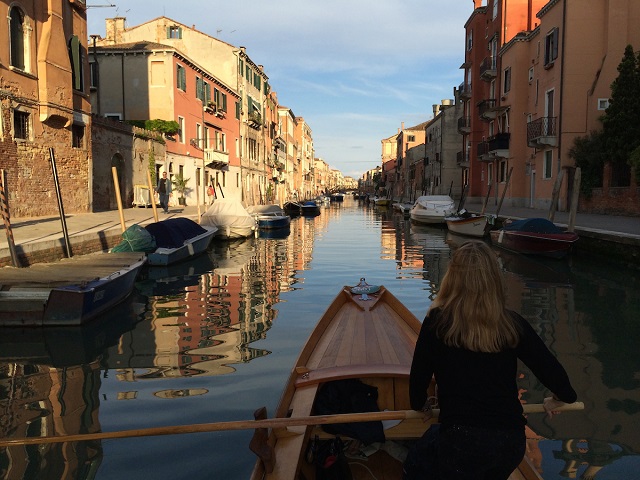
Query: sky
{"type": "Point", "coordinates": [355, 70]}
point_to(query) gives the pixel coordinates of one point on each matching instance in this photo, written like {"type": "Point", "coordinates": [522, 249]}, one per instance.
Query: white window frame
{"type": "Point", "coordinates": [181, 133]}
{"type": "Point", "coordinates": [603, 103]}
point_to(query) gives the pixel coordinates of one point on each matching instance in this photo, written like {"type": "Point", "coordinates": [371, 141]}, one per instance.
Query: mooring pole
{"type": "Point", "coordinates": [65, 233]}
{"type": "Point", "coordinates": [4, 206]}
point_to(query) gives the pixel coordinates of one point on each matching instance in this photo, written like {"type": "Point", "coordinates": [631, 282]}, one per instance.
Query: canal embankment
{"type": "Point", "coordinates": [36, 240]}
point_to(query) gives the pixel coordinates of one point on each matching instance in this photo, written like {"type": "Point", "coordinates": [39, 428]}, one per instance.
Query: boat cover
{"type": "Point", "coordinates": [265, 210]}
{"type": "Point", "coordinates": [173, 232]}
{"type": "Point", "coordinates": [136, 239]}
{"type": "Point", "coordinates": [533, 225]}
{"type": "Point", "coordinates": [227, 212]}
{"type": "Point", "coordinates": [170, 233]}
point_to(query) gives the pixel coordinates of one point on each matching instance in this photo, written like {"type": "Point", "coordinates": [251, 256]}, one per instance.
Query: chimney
{"type": "Point", "coordinates": [115, 29]}
{"type": "Point", "coordinates": [436, 108]}
{"type": "Point", "coordinates": [402, 128]}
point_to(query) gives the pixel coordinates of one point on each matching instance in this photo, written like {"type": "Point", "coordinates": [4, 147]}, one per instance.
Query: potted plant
{"type": "Point", "coordinates": [180, 186]}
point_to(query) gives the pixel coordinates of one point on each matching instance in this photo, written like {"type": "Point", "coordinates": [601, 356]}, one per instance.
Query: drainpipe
{"type": "Point", "coordinates": [558, 130]}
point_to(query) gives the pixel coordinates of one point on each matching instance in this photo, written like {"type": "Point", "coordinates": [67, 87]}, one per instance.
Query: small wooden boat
{"type": "Point", "coordinates": [292, 208]}
{"type": "Point", "coordinates": [382, 202]}
{"type": "Point", "coordinates": [70, 292]}
{"type": "Point", "coordinates": [269, 216]}
{"type": "Point", "coordinates": [309, 208]}
{"type": "Point", "coordinates": [370, 337]}
{"type": "Point", "coordinates": [468, 224]}
{"type": "Point", "coordinates": [367, 335]}
{"type": "Point", "coordinates": [178, 239]}
{"type": "Point", "coordinates": [534, 236]}
{"type": "Point", "coordinates": [167, 242]}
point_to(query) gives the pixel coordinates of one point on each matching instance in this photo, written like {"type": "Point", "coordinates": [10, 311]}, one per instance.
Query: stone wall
{"type": "Point", "coordinates": [30, 185]}
{"type": "Point", "coordinates": [131, 150]}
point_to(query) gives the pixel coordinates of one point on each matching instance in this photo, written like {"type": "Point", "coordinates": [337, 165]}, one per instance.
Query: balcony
{"type": "Point", "coordinates": [486, 107]}
{"type": "Point", "coordinates": [465, 90]}
{"type": "Point", "coordinates": [464, 125]}
{"type": "Point", "coordinates": [542, 132]}
{"type": "Point", "coordinates": [255, 120]}
{"type": "Point", "coordinates": [488, 68]}
{"type": "Point", "coordinates": [499, 145]}
{"type": "Point", "coordinates": [215, 158]}
{"type": "Point", "coordinates": [496, 147]}
{"type": "Point", "coordinates": [462, 159]}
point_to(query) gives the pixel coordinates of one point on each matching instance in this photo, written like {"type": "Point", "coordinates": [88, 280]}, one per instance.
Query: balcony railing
{"type": "Point", "coordinates": [500, 141]}
{"type": "Point", "coordinates": [462, 159]}
{"type": "Point", "coordinates": [542, 132]}
{"type": "Point", "coordinates": [215, 158]}
{"type": "Point", "coordinates": [255, 119]}
{"type": "Point", "coordinates": [488, 68]}
{"type": "Point", "coordinates": [464, 125]}
{"type": "Point", "coordinates": [485, 108]}
{"type": "Point", "coordinates": [465, 90]}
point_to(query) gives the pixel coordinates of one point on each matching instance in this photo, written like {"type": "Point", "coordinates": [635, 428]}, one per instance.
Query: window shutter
{"type": "Point", "coordinates": [75, 62]}
{"type": "Point", "coordinates": [207, 93]}
{"type": "Point", "coordinates": [224, 102]}
{"type": "Point", "coordinates": [168, 32]}
{"type": "Point", "coordinates": [555, 43]}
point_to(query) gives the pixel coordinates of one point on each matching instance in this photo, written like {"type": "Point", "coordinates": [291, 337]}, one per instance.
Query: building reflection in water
{"type": "Point", "coordinates": [49, 386]}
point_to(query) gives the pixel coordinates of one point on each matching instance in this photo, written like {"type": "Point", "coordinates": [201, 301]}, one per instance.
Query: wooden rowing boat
{"type": "Point", "coordinates": [371, 339]}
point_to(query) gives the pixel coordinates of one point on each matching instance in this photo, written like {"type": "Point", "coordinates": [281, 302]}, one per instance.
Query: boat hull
{"type": "Point", "coordinates": [371, 340]}
{"type": "Point", "coordinates": [470, 226]}
{"type": "Point", "coordinates": [191, 248]}
{"type": "Point", "coordinates": [432, 209]}
{"type": "Point", "coordinates": [555, 245]}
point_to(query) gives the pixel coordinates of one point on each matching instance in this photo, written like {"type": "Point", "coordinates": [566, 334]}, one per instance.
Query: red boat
{"type": "Point", "coordinates": [534, 236]}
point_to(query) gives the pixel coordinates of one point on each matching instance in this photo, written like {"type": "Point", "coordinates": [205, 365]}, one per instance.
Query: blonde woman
{"type": "Point", "coordinates": [471, 343]}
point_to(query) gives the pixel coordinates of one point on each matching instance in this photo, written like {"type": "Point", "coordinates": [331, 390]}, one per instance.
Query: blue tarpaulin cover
{"type": "Point", "coordinates": [533, 225]}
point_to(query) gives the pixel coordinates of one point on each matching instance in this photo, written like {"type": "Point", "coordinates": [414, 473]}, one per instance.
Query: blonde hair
{"type": "Point", "coordinates": [471, 299]}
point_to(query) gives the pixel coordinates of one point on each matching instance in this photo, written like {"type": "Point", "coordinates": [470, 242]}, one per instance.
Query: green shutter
{"type": "Point", "coordinates": [75, 62]}
{"type": "Point", "coordinates": [199, 88]}
{"type": "Point", "coordinates": [224, 102]}
{"type": "Point", "coordinates": [207, 92]}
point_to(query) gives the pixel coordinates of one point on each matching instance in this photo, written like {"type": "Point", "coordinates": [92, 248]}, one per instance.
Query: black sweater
{"type": "Point", "coordinates": [479, 389]}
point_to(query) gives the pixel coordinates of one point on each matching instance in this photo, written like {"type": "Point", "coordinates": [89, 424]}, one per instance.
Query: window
{"type": "Point", "coordinates": [257, 81]}
{"type": "Point", "coordinates": [199, 139]}
{"type": "Point", "coordinates": [76, 56]}
{"type": "Point", "coordinates": [181, 78]}
{"type": "Point", "coordinates": [16, 20]}
{"type": "Point", "coordinates": [548, 163]}
{"type": "Point", "coordinates": [205, 137]}
{"type": "Point", "coordinates": [174, 31]}
{"type": "Point", "coordinates": [77, 136]}
{"type": "Point", "coordinates": [221, 100]}
{"type": "Point", "coordinates": [503, 171]}
{"type": "Point", "coordinates": [21, 125]}
{"type": "Point", "coordinates": [93, 75]}
{"type": "Point", "coordinates": [489, 173]}
{"type": "Point", "coordinates": [469, 40]}
{"type": "Point", "coordinates": [603, 103]}
{"type": "Point", "coordinates": [531, 75]}
{"type": "Point", "coordinates": [495, 9]}
{"type": "Point", "coordinates": [181, 132]}
{"type": "Point", "coordinates": [411, 138]}
{"type": "Point", "coordinates": [506, 81]}
{"type": "Point", "coordinates": [551, 47]}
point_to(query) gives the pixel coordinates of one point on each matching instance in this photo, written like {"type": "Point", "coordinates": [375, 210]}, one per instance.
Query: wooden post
{"type": "Point", "coordinates": [63, 220]}
{"type": "Point", "coordinates": [4, 206]}
{"type": "Point", "coordinates": [577, 179]}
{"type": "Point", "coordinates": [486, 200]}
{"type": "Point", "coordinates": [556, 193]}
{"type": "Point", "coordinates": [116, 186]}
{"type": "Point", "coordinates": [504, 191]}
{"type": "Point", "coordinates": [152, 197]}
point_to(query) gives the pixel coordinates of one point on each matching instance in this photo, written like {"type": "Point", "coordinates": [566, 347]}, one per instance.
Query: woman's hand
{"type": "Point", "coordinates": [551, 404]}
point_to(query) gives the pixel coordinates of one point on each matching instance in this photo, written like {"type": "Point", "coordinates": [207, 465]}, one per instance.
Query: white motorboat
{"type": "Point", "coordinates": [432, 208]}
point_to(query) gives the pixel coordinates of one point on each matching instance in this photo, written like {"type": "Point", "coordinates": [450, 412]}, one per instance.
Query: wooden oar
{"type": "Point", "coordinates": [253, 424]}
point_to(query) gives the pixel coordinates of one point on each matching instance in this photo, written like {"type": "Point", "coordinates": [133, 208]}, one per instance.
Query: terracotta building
{"type": "Point", "coordinates": [44, 106]}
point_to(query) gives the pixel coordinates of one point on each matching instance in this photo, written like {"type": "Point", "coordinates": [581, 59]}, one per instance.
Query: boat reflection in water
{"type": "Point", "coordinates": [50, 380]}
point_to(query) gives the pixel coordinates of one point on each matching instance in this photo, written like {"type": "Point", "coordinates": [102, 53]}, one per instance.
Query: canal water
{"type": "Point", "coordinates": [214, 339]}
